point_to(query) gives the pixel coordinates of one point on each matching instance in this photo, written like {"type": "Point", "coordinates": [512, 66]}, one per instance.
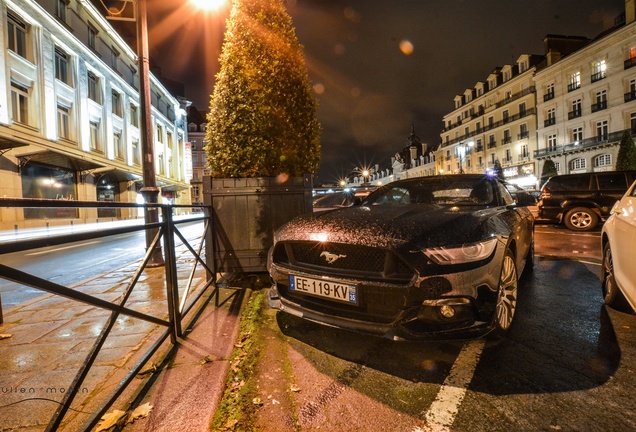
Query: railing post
{"type": "Point", "coordinates": [172, 281]}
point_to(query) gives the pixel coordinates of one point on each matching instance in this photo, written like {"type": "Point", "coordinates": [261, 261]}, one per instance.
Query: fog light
{"type": "Point", "coordinates": [447, 311]}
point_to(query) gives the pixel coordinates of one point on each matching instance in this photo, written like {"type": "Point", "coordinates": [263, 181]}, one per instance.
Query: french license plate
{"type": "Point", "coordinates": [326, 289]}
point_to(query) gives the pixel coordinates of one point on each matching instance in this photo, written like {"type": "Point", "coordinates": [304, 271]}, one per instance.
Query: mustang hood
{"type": "Point", "coordinates": [421, 225]}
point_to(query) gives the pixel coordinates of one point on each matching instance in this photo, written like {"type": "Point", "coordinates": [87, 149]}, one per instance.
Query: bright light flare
{"type": "Point", "coordinates": [406, 46]}
{"type": "Point", "coordinates": [208, 5]}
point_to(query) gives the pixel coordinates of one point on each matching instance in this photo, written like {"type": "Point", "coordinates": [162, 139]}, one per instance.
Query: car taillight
{"type": "Point", "coordinates": [545, 193]}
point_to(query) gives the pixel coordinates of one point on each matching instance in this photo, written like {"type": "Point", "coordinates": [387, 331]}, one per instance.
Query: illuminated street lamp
{"type": "Point", "coordinates": [462, 149]}
{"type": "Point", "coordinates": [365, 175]}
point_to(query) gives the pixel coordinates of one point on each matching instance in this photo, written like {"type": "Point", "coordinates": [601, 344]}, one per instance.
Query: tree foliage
{"type": "Point", "coordinates": [626, 159]}
{"type": "Point", "coordinates": [549, 170]}
{"type": "Point", "coordinates": [262, 119]}
{"type": "Point", "coordinates": [498, 170]}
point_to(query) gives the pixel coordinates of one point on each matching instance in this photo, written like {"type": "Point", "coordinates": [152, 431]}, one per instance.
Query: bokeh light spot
{"type": "Point", "coordinates": [406, 47]}
{"type": "Point", "coordinates": [319, 88]}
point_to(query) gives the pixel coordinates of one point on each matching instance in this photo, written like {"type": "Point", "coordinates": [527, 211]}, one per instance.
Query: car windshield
{"type": "Point", "coordinates": [435, 190]}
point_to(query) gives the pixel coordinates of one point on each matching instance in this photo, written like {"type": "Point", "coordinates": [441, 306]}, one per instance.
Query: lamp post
{"type": "Point", "coordinates": [149, 191]}
{"type": "Point", "coordinates": [461, 151]}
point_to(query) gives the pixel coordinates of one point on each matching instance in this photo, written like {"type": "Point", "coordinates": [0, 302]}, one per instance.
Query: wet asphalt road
{"type": "Point", "coordinates": [569, 363]}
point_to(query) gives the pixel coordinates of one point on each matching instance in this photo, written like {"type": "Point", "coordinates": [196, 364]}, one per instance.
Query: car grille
{"type": "Point", "coordinates": [336, 259]}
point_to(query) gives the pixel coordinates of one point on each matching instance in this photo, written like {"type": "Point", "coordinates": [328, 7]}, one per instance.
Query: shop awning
{"type": "Point", "coordinates": [117, 174]}
{"type": "Point", "coordinates": [7, 144]}
{"type": "Point", "coordinates": [59, 160]}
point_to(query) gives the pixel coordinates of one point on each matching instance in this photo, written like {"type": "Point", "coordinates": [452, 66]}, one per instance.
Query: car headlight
{"type": "Point", "coordinates": [465, 253]}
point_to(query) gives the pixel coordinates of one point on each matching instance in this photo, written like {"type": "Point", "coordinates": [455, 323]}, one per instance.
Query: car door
{"type": "Point", "coordinates": [623, 250]}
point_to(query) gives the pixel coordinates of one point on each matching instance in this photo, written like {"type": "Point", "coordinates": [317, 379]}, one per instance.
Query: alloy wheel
{"type": "Point", "coordinates": [508, 291]}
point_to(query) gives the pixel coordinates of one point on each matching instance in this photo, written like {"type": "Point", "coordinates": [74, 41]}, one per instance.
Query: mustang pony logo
{"type": "Point", "coordinates": [331, 258]}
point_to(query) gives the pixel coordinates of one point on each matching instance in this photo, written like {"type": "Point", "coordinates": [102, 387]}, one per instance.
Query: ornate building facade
{"type": "Point", "coordinates": [69, 115]}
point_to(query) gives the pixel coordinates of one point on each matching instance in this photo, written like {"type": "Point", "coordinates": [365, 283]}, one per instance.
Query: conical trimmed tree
{"type": "Point", "coordinates": [262, 120]}
{"type": "Point", "coordinates": [626, 159]}
{"type": "Point", "coordinates": [548, 170]}
{"type": "Point", "coordinates": [498, 170]}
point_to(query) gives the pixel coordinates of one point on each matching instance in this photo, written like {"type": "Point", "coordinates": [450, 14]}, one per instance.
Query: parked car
{"type": "Point", "coordinates": [580, 201]}
{"type": "Point", "coordinates": [618, 244]}
{"type": "Point", "coordinates": [421, 257]}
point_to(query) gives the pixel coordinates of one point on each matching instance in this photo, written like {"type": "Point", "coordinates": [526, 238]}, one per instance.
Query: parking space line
{"type": "Point", "coordinates": [441, 414]}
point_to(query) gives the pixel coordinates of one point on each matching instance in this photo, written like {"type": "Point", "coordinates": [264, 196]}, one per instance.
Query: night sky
{"type": "Point", "coordinates": [380, 66]}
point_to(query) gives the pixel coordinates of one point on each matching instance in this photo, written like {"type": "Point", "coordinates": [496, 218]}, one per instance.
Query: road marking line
{"type": "Point", "coordinates": [441, 414]}
{"type": "Point", "coordinates": [62, 248]}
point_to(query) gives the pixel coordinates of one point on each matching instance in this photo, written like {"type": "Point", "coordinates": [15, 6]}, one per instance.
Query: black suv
{"type": "Point", "coordinates": [580, 200]}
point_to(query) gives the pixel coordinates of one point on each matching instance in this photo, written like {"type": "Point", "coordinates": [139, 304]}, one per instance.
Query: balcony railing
{"type": "Point", "coordinates": [598, 76]}
{"type": "Point", "coordinates": [601, 105]}
{"type": "Point", "coordinates": [548, 96]}
{"type": "Point", "coordinates": [578, 145]}
{"type": "Point", "coordinates": [630, 96]}
{"type": "Point", "coordinates": [549, 122]}
{"type": "Point", "coordinates": [523, 158]}
{"type": "Point", "coordinates": [492, 144]}
{"type": "Point", "coordinates": [574, 114]}
{"type": "Point", "coordinates": [574, 86]}
{"type": "Point", "coordinates": [506, 140]}
{"type": "Point", "coordinates": [523, 135]}
{"type": "Point", "coordinates": [630, 62]}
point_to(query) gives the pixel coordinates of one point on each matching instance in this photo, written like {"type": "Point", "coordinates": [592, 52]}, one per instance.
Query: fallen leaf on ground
{"type": "Point", "coordinates": [294, 388]}
{"type": "Point", "coordinates": [140, 412]}
{"type": "Point", "coordinates": [257, 401]}
{"type": "Point", "coordinates": [110, 420]}
{"type": "Point", "coordinates": [206, 359]}
{"type": "Point", "coordinates": [149, 371]}
{"type": "Point", "coordinates": [5, 336]}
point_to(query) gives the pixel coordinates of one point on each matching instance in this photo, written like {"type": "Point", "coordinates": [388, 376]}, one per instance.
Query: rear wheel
{"type": "Point", "coordinates": [507, 297]}
{"type": "Point", "coordinates": [580, 219]}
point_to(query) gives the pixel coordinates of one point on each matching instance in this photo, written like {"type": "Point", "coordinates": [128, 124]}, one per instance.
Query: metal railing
{"type": "Point", "coordinates": [178, 304]}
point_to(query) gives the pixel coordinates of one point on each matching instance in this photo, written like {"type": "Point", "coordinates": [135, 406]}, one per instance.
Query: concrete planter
{"type": "Point", "coordinates": [247, 211]}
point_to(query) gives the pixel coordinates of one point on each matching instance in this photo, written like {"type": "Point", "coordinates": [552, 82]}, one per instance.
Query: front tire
{"type": "Point", "coordinates": [611, 293]}
{"type": "Point", "coordinates": [581, 219]}
{"type": "Point", "coordinates": [507, 297]}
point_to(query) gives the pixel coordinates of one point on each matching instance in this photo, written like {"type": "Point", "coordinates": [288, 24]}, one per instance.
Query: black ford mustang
{"type": "Point", "coordinates": [418, 258]}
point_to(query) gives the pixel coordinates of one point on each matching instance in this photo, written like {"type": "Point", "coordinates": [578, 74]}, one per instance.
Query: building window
{"type": "Point", "coordinates": [522, 109]}
{"type": "Point", "coordinates": [557, 166]}
{"type": "Point", "coordinates": [574, 82]}
{"type": "Point", "coordinates": [506, 116]}
{"type": "Point", "coordinates": [549, 92]}
{"type": "Point", "coordinates": [491, 141]}
{"type": "Point", "coordinates": [116, 102]}
{"type": "Point", "coordinates": [93, 88]}
{"type": "Point", "coordinates": [578, 164]}
{"type": "Point", "coordinates": [136, 152]}
{"type": "Point", "coordinates": [62, 66]}
{"type": "Point", "coordinates": [631, 58]}
{"type": "Point", "coordinates": [96, 142]}
{"type": "Point", "coordinates": [550, 117]}
{"type": "Point", "coordinates": [632, 122]}
{"type": "Point", "coordinates": [523, 131]}
{"type": "Point", "coordinates": [60, 9]}
{"type": "Point", "coordinates": [602, 130]}
{"type": "Point", "coordinates": [599, 71]}
{"type": "Point", "coordinates": [18, 31]}
{"type": "Point", "coordinates": [63, 121]}
{"type": "Point", "coordinates": [491, 121]}
{"type": "Point", "coordinates": [19, 103]}
{"type": "Point", "coordinates": [601, 101]}
{"type": "Point", "coordinates": [576, 109]}
{"type": "Point", "coordinates": [631, 91]}
{"type": "Point", "coordinates": [118, 144]}
{"type": "Point", "coordinates": [603, 160]}
{"type": "Point", "coordinates": [508, 156]}
{"type": "Point", "coordinates": [92, 36]}
{"type": "Point", "coordinates": [552, 142]}
{"type": "Point", "coordinates": [507, 139]}
{"type": "Point", "coordinates": [524, 152]}
{"type": "Point", "coordinates": [577, 135]}
{"type": "Point", "coordinates": [134, 115]}
{"type": "Point", "coordinates": [159, 133]}
{"type": "Point", "coordinates": [160, 161]}
{"type": "Point", "coordinates": [114, 58]}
